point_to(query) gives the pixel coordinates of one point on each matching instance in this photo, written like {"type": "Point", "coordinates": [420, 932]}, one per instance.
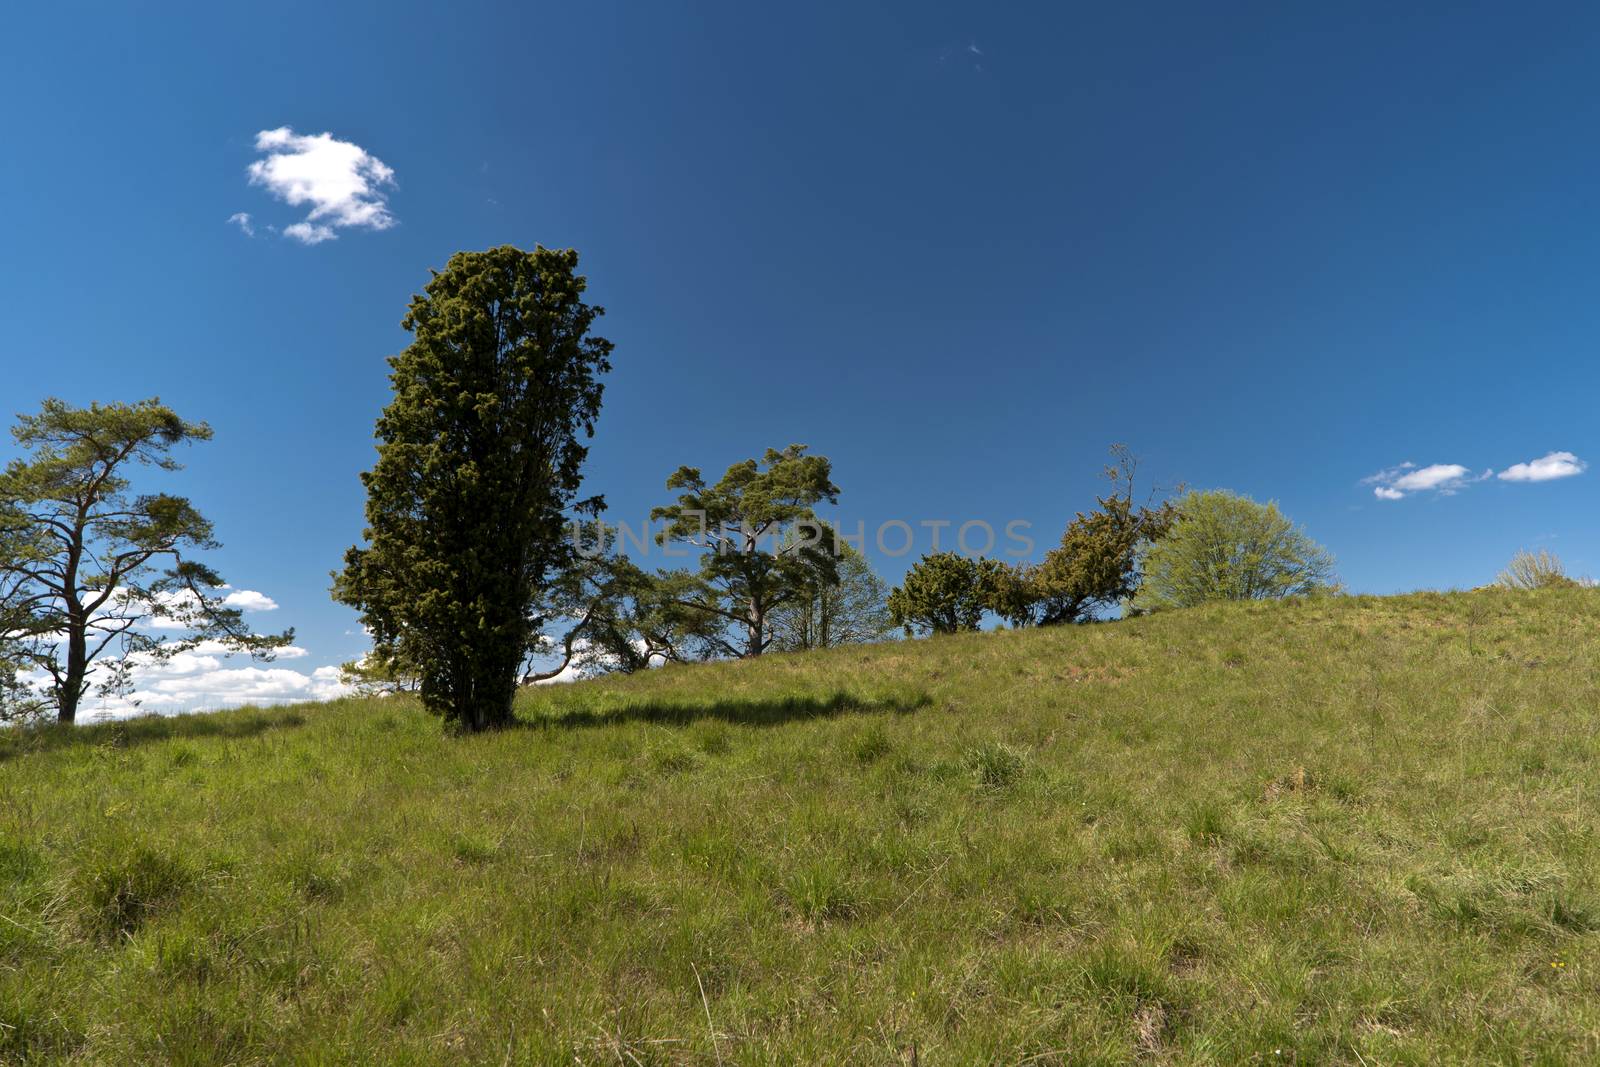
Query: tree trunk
{"type": "Point", "coordinates": [71, 692]}
{"type": "Point", "coordinates": [755, 627]}
{"type": "Point", "coordinates": [503, 711]}
{"type": "Point", "coordinates": [500, 700]}
{"type": "Point", "coordinates": [486, 697]}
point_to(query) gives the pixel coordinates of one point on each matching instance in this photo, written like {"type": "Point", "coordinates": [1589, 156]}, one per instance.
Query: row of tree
{"type": "Point", "coordinates": [1205, 546]}
{"type": "Point", "coordinates": [468, 577]}
{"type": "Point", "coordinates": [468, 588]}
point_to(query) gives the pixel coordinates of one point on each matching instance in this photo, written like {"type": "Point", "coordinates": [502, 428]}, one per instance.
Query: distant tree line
{"type": "Point", "coordinates": [469, 576]}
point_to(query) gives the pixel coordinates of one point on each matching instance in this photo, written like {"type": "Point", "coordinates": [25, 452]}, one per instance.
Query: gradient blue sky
{"type": "Point", "coordinates": [959, 248]}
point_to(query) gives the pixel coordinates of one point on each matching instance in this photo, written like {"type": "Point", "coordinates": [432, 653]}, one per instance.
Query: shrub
{"type": "Point", "coordinates": [1535, 570]}
{"type": "Point", "coordinates": [1224, 546]}
{"type": "Point", "coordinates": [944, 593]}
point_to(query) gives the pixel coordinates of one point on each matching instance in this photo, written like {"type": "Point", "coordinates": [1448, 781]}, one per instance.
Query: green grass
{"type": "Point", "coordinates": [1352, 830]}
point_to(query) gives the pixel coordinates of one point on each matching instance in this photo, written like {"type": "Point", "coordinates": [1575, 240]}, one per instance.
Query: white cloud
{"type": "Point", "coordinates": [222, 686]}
{"type": "Point", "coordinates": [1443, 478]}
{"type": "Point", "coordinates": [342, 183]}
{"type": "Point", "coordinates": [211, 647]}
{"type": "Point", "coordinates": [1438, 476]}
{"type": "Point", "coordinates": [241, 219]}
{"type": "Point", "coordinates": [188, 682]}
{"type": "Point", "coordinates": [309, 233]}
{"type": "Point", "coordinates": [250, 600]}
{"type": "Point", "coordinates": [1545, 468]}
{"type": "Point", "coordinates": [1446, 479]}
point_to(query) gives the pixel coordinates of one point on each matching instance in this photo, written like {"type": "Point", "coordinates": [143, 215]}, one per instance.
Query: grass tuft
{"type": "Point", "coordinates": [995, 766]}
{"type": "Point", "coordinates": [124, 886]}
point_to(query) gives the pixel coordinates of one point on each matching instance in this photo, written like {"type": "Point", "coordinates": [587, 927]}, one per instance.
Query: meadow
{"type": "Point", "coordinates": [1329, 830]}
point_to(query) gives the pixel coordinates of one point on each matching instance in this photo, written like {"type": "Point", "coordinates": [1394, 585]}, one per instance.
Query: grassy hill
{"type": "Point", "coordinates": [1352, 830]}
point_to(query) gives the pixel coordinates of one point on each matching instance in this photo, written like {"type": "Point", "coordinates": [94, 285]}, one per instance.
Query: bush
{"type": "Point", "coordinates": [944, 593]}
{"type": "Point", "coordinates": [1535, 570]}
{"type": "Point", "coordinates": [1224, 546]}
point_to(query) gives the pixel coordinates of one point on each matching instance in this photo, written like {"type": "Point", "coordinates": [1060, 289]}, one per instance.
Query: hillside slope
{"type": "Point", "coordinates": [1347, 830]}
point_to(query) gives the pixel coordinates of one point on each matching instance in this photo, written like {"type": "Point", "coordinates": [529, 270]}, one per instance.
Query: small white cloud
{"type": "Point", "coordinates": [1388, 474]}
{"type": "Point", "coordinates": [241, 219]}
{"type": "Point", "coordinates": [308, 233]}
{"type": "Point", "coordinates": [343, 183]}
{"type": "Point", "coordinates": [1446, 479]}
{"type": "Point", "coordinates": [1545, 468]}
{"type": "Point", "coordinates": [249, 600]}
{"type": "Point", "coordinates": [1437, 476]}
{"type": "Point", "coordinates": [213, 647]}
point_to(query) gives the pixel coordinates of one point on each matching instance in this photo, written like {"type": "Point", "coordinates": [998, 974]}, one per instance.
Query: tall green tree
{"type": "Point", "coordinates": [946, 593]}
{"type": "Point", "coordinates": [85, 562]}
{"type": "Point", "coordinates": [1097, 563]}
{"type": "Point", "coordinates": [479, 466]}
{"type": "Point", "coordinates": [850, 606]}
{"type": "Point", "coordinates": [749, 567]}
{"type": "Point", "coordinates": [1224, 546]}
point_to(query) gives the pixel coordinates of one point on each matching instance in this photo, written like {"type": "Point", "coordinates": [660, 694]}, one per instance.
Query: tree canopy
{"type": "Point", "coordinates": [848, 607]}
{"type": "Point", "coordinates": [945, 593]}
{"type": "Point", "coordinates": [1224, 546]}
{"type": "Point", "coordinates": [478, 471]}
{"type": "Point", "coordinates": [1097, 563]}
{"type": "Point", "coordinates": [85, 563]}
{"type": "Point", "coordinates": [749, 565]}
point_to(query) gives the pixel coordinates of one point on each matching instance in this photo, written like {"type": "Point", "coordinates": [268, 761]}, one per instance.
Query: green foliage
{"type": "Point", "coordinates": [1012, 591]}
{"type": "Point", "coordinates": [1097, 564]}
{"type": "Point", "coordinates": [1224, 546]}
{"type": "Point", "coordinates": [847, 607]}
{"type": "Point", "coordinates": [1536, 570]}
{"type": "Point", "coordinates": [762, 546]}
{"type": "Point", "coordinates": [377, 674]}
{"type": "Point", "coordinates": [81, 555]}
{"type": "Point", "coordinates": [20, 703]}
{"type": "Point", "coordinates": [946, 592]}
{"type": "Point", "coordinates": [616, 616]}
{"type": "Point", "coordinates": [479, 461]}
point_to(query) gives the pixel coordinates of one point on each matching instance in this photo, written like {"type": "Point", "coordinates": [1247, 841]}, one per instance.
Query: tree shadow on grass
{"type": "Point", "coordinates": [146, 729]}
{"type": "Point", "coordinates": [748, 712]}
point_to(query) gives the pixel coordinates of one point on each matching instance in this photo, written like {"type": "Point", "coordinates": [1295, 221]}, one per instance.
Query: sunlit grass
{"type": "Point", "coordinates": [1348, 830]}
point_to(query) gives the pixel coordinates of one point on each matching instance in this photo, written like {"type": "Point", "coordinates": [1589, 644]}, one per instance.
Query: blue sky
{"type": "Point", "coordinates": [958, 249]}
